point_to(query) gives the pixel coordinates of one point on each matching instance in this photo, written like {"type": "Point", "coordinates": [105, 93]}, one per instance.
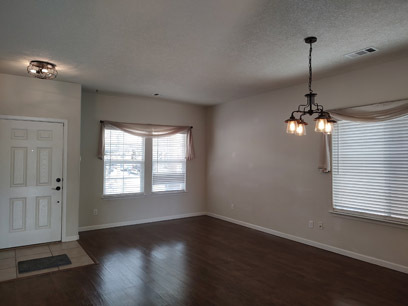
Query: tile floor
{"type": "Point", "coordinates": [10, 257]}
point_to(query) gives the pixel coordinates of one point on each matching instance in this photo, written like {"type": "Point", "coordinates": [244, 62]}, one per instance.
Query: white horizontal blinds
{"type": "Point", "coordinates": [169, 163]}
{"type": "Point", "coordinates": [370, 168]}
{"type": "Point", "coordinates": [124, 163]}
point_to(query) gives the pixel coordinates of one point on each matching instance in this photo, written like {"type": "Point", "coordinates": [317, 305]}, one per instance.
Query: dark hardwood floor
{"type": "Point", "coordinates": [205, 261]}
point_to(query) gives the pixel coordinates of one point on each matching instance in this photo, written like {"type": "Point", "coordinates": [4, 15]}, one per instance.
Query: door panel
{"type": "Point", "coordinates": [18, 167]}
{"type": "Point", "coordinates": [31, 157]}
{"type": "Point", "coordinates": [44, 166]}
{"type": "Point", "coordinates": [17, 214]}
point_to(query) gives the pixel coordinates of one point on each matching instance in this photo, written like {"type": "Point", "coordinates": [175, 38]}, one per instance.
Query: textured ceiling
{"type": "Point", "coordinates": [198, 51]}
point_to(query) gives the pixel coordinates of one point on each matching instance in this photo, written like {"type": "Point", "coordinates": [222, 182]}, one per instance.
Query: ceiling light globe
{"type": "Point", "coordinates": [320, 124]}
{"type": "Point", "coordinates": [42, 70]}
{"type": "Point", "coordinates": [301, 128]}
{"type": "Point", "coordinates": [328, 129]}
{"type": "Point", "coordinates": [291, 126]}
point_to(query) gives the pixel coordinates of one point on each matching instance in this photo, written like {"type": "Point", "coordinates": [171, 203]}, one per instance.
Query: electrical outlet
{"type": "Point", "coordinates": [311, 223]}
{"type": "Point", "coordinates": [95, 212]}
{"type": "Point", "coordinates": [320, 224]}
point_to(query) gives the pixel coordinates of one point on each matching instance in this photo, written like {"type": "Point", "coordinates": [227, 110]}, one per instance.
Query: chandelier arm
{"type": "Point", "coordinates": [304, 107]}
{"type": "Point", "coordinates": [319, 107]}
{"type": "Point", "coordinates": [298, 111]}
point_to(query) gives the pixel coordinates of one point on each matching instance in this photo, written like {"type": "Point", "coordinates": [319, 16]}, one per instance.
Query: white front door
{"type": "Point", "coordinates": [31, 155]}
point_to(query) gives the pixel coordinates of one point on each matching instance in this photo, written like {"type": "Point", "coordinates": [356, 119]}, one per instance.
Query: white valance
{"type": "Point", "coordinates": [146, 130]}
{"type": "Point", "coordinates": [367, 113]}
{"type": "Point", "coordinates": [372, 113]}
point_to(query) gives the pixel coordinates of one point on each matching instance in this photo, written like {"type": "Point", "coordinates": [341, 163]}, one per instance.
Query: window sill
{"type": "Point", "coordinates": [141, 195]}
{"type": "Point", "coordinates": [370, 219]}
{"type": "Point", "coordinates": [122, 196]}
{"type": "Point", "coordinates": [162, 193]}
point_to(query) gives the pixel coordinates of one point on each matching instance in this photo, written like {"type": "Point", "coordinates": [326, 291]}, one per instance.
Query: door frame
{"type": "Point", "coordinates": [64, 164]}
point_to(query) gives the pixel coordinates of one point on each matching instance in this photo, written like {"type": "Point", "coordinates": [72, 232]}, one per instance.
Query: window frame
{"type": "Point", "coordinates": [148, 177]}
{"type": "Point", "coordinates": [367, 217]}
{"type": "Point", "coordinates": [362, 216]}
{"type": "Point", "coordinates": [185, 168]}
{"type": "Point", "coordinates": [143, 175]}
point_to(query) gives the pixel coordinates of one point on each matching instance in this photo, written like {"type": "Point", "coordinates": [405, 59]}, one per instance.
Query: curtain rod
{"type": "Point", "coordinates": [102, 121]}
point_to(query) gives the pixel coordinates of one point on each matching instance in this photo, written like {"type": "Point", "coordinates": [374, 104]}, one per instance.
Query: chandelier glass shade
{"type": "Point", "coordinates": [42, 70]}
{"type": "Point", "coordinates": [324, 122]}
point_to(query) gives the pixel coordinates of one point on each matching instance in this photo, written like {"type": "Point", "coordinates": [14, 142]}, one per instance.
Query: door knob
{"type": "Point", "coordinates": [57, 188]}
{"type": "Point", "coordinates": [58, 180]}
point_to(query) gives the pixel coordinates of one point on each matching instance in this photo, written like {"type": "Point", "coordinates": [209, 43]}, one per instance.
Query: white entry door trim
{"type": "Point", "coordinates": [64, 122]}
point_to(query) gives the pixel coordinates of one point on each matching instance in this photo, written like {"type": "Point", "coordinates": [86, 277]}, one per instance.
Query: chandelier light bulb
{"type": "Point", "coordinates": [301, 128]}
{"type": "Point", "coordinates": [320, 125]}
{"type": "Point", "coordinates": [292, 125]}
{"type": "Point", "coordinates": [328, 129]}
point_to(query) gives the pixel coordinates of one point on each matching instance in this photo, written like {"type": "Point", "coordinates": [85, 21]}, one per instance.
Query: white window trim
{"type": "Point", "coordinates": [368, 218]}
{"type": "Point", "coordinates": [122, 195]}
{"type": "Point", "coordinates": [151, 178]}
{"type": "Point", "coordinates": [141, 195]}
{"type": "Point", "coordinates": [129, 194]}
{"type": "Point", "coordinates": [158, 193]}
{"type": "Point", "coordinates": [148, 167]}
{"type": "Point", "coordinates": [372, 218]}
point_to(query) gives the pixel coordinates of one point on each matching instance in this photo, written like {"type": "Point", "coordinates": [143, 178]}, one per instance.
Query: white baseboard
{"type": "Point", "coordinates": [125, 223]}
{"type": "Point", "coordinates": [372, 260]}
{"type": "Point", "coordinates": [70, 238]}
{"type": "Point", "coordinates": [319, 245]}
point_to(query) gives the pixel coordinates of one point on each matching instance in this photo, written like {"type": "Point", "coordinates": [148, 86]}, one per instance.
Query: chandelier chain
{"type": "Point", "coordinates": [310, 69]}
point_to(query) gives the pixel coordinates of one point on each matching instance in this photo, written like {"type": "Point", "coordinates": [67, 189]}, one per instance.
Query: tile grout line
{"type": "Point", "coordinates": [52, 254]}
{"type": "Point", "coordinates": [50, 251]}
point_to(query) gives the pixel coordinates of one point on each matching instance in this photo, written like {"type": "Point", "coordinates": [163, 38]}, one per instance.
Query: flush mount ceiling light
{"type": "Point", "coordinates": [324, 122]}
{"type": "Point", "coordinates": [42, 70]}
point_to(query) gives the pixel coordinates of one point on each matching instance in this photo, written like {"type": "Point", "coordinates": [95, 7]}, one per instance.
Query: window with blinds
{"type": "Point", "coordinates": [169, 163]}
{"type": "Point", "coordinates": [370, 169]}
{"type": "Point", "coordinates": [123, 163]}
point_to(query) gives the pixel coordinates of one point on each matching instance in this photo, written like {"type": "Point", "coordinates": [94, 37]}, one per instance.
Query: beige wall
{"type": "Point", "coordinates": [96, 107]}
{"type": "Point", "coordinates": [258, 174]}
{"type": "Point", "coordinates": [255, 172]}
{"type": "Point", "coordinates": [24, 96]}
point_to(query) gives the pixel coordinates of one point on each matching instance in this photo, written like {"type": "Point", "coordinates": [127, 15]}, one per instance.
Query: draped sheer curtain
{"type": "Point", "coordinates": [368, 113]}
{"type": "Point", "coordinates": [146, 130]}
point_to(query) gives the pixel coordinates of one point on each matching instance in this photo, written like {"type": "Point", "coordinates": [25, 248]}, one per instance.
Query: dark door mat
{"type": "Point", "coordinates": [43, 263]}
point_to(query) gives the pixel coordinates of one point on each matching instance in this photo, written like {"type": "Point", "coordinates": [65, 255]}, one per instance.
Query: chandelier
{"type": "Point", "coordinates": [324, 122]}
{"type": "Point", "coordinates": [42, 70]}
